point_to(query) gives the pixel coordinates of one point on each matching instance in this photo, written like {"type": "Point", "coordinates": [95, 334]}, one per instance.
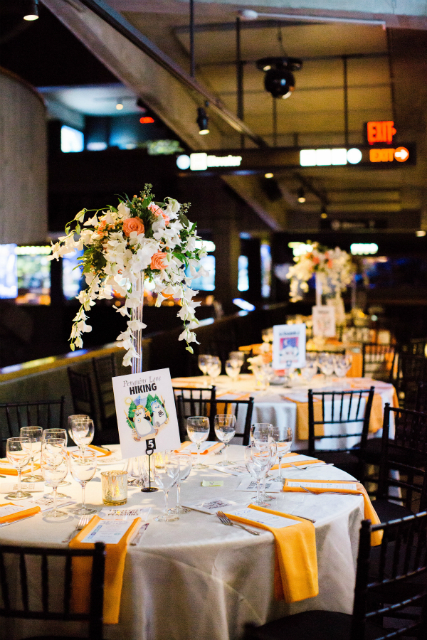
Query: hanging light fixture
{"type": "Point", "coordinates": [279, 79]}
{"type": "Point", "coordinates": [203, 121]}
{"type": "Point", "coordinates": [119, 105]}
{"type": "Point", "coordinates": [301, 195]}
{"type": "Point", "coordinates": [323, 212]}
{"type": "Point", "coordinates": [31, 10]}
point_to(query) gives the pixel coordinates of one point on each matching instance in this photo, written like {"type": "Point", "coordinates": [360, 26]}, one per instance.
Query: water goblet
{"type": "Point", "coordinates": [225, 429]}
{"type": "Point", "coordinates": [283, 439]}
{"type": "Point", "coordinates": [326, 364]}
{"type": "Point", "coordinates": [81, 430]}
{"type": "Point", "coordinates": [34, 434]}
{"type": "Point", "coordinates": [237, 355]}
{"type": "Point", "coordinates": [198, 431]}
{"type": "Point", "coordinates": [203, 362]}
{"type": "Point", "coordinates": [83, 468]}
{"type": "Point", "coordinates": [232, 369]}
{"type": "Point", "coordinates": [261, 433]}
{"type": "Point", "coordinates": [54, 467]}
{"type": "Point", "coordinates": [342, 365]}
{"type": "Point", "coordinates": [309, 371]}
{"type": "Point", "coordinates": [214, 368]}
{"type": "Point", "coordinates": [185, 468]}
{"type": "Point", "coordinates": [258, 462]}
{"type": "Point", "coordinates": [62, 435]}
{"type": "Point", "coordinates": [165, 479]}
{"type": "Point", "coordinates": [18, 452]}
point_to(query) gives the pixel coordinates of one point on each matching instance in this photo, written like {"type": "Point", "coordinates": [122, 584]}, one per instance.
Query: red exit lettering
{"type": "Point", "coordinates": [381, 131]}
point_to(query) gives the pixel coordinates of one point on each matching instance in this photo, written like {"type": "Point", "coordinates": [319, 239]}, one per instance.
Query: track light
{"type": "Point", "coordinates": [31, 10]}
{"type": "Point", "coordinates": [119, 105]}
{"type": "Point", "coordinates": [203, 121]}
{"type": "Point", "coordinates": [301, 195]}
{"type": "Point", "coordinates": [279, 79]}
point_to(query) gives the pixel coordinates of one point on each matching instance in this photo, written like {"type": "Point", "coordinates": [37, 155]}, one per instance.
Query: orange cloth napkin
{"type": "Point", "coordinates": [114, 569]}
{"type": "Point", "coordinates": [302, 418]}
{"type": "Point", "coordinates": [101, 450]}
{"type": "Point", "coordinates": [295, 571]}
{"type": "Point", "coordinates": [20, 514]}
{"type": "Point", "coordinates": [214, 447]}
{"type": "Point", "coordinates": [294, 463]}
{"type": "Point", "coordinates": [8, 470]}
{"type": "Point", "coordinates": [356, 368]}
{"type": "Point", "coordinates": [370, 512]}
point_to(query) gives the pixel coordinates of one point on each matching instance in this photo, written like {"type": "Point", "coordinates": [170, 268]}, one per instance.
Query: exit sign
{"type": "Point", "coordinates": [380, 131]}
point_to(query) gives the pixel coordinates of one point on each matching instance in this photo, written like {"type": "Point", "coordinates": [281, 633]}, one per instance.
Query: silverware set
{"type": "Point", "coordinates": [229, 523]}
{"type": "Point", "coordinates": [84, 520]}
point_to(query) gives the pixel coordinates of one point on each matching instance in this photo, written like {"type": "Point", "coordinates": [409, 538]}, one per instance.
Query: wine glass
{"type": "Point", "coordinates": [198, 431]}
{"type": "Point", "coordinates": [225, 429]}
{"type": "Point", "coordinates": [326, 364]}
{"type": "Point", "coordinates": [283, 439]}
{"type": "Point", "coordinates": [309, 371]}
{"type": "Point", "coordinates": [62, 435]}
{"type": "Point", "coordinates": [214, 367]}
{"type": "Point", "coordinates": [185, 468]}
{"type": "Point", "coordinates": [237, 355]}
{"type": "Point", "coordinates": [54, 467]}
{"type": "Point", "coordinates": [165, 478]}
{"type": "Point", "coordinates": [258, 462]}
{"type": "Point", "coordinates": [81, 430]}
{"type": "Point", "coordinates": [34, 434]}
{"type": "Point", "coordinates": [83, 468]}
{"type": "Point", "coordinates": [232, 369]}
{"type": "Point", "coordinates": [203, 362]}
{"type": "Point", "coordinates": [261, 433]}
{"type": "Point", "coordinates": [18, 452]}
{"type": "Point", "coordinates": [342, 365]}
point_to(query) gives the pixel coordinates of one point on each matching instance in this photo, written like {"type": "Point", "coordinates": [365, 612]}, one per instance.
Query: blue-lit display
{"type": "Point", "coordinates": [206, 283]}
{"type": "Point", "coordinates": [72, 140]}
{"type": "Point", "coordinates": [8, 273]}
{"type": "Point", "coordinates": [71, 275]}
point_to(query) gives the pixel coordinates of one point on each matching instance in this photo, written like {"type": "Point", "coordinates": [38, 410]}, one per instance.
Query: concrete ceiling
{"type": "Point", "coordinates": [386, 80]}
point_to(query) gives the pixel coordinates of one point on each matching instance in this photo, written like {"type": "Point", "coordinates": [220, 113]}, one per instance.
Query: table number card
{"type": "Point", "coordinates": [324, 321]}
{"type": "Point", "coordinates": [288, 346]}
{"type": "Point", "coordinates": [145, 409]}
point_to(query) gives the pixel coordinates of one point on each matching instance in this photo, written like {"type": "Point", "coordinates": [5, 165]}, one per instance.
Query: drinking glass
{"type": "Point", "coordinates": [232, 369]}
{"type": "Point", "coordinates": [83, 468]}
{"type": "Point", "coordinates": [237, 355]}
{"type": "Point", "coordinates": [283, 439]}
{"type": "Point", "coordinates": [261, 433]}
{"type": "Point", "coordinates": [262, 376]}
{"type": "Point", "coordinates": [54, 467]}
{"type": "Point", "coordinates": [62, 435]}
{"type": "Point", "coordinates": [34, 434]}
{"type": "Point", "coordinates": [81, 430]}
{"type": "Point", "coordinates": [309, 371]}
{"type": "Point", "coordinates": [258, 462]}
{"type": "Point", "coordinates": [326, 364]}
{"type": "Point", "coordinates": [342, 365]}
{"type": "Point", "coordinates": [214, 368]}
{"type": "Point", "coordinates": [165, 479]}
{"type": "Point", "coordinates": [18, 452]}
{"type": "Point", "coordinates": [225, 429]}
{"type": "Point", "coordinates": [184, 471]}
{"type": "Point", "coordinates": [203, 362]}
{"type": "Point", "coordinates": [198, 431]}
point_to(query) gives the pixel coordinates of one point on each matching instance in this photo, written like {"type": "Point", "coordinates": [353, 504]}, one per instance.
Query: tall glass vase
{"type": "Point", "coordinates": [137, 313]}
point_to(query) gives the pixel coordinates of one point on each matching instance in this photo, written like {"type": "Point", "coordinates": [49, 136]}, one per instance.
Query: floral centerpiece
{"type": "Point", "coordinates": [140, 240]}
{"type": "Point", "coordinates": [332, 267]}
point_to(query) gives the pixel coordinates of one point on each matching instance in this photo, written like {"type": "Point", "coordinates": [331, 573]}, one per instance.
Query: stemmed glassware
{"type": "Point", "coordinates": [203, 362]}
{"type": "Point", "coordinates": [198, 431]}
{"type": "Point", "coordinates": [185, 468]}
{"type": "Point", "coordinates": [34, 434]}
{"type": "Point", "coordinates": [258, 461]}
{"type": "Point", "coordinates": [165, 479]}
{"type": "Point", "coordinates": [309, 370]}
{"type": "Point", "coordinates": [54, 467]}
{"type": "Point", "coordinates": [283, 439]}
{"type": "Point", "coordinates": [48, 434]}
{"type": "Point", "coordinates": [261, 433]}
{"type": "Point", "coordinates": [342, 365]}
{"type": "Point", "coordinates": [18, 452]}
{"type": "Point", "coordinates": [326, 364]}
{"type": "Point", "coordinates": [214, 368]}
{"type": "Point", "coordinates": [237, 355]}
{"type": "Point", "coordinates": [232, 369]}
{"type": "Point", "coordinates": [81, 430]}
{"type": "Point", "coordinates": [225, 430]}
{"type": "Point", "coordinates": [83, 468]}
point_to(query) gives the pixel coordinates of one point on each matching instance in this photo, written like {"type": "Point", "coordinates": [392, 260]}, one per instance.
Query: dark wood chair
{"type": "Point", "coordinates": [421, 399]}
{"type": "Point", "coordinates": [105, 369]}
{"type": "Point", "coordinates": [378, 361]}
{"type": "Point", "coordinates": [341, 408]}
{"type": "Point", "coordinates": [191, 402]}
{"type": "Point", "coordinates": [418, 347]}
{"type": "Point", "coordinates": [20, 600]}
{"type": "Point", "coordinates": [411, 370]}
{"type": "Point", "coordinates": [395, 587]}
{"type": "Point", "coordinates": [14, 415]}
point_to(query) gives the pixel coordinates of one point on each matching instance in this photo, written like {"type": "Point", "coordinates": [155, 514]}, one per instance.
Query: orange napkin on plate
{"type": "Point", "coordinates": [302, 418]}
{"type": "Point", "coordinates": [101, 450]}
{"type": "Point", "coordinates": [211, 449]}
{"type": "Point", "coordinates": [20, 514]}
{"type": "Point", "coordinates": [6, 469]}
{"type": "Point", "coordinates": [114, 569]}
{"type": "Point", "coordinates": [295, 571]}
{"type": "Point", "coordinates": [295, 462]}
{"type": "Point", "coordinates": [370, 512]}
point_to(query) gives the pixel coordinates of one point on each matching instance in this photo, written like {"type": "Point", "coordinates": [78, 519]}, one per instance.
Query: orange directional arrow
{"type": "Point", "coordinates": [401, 154]}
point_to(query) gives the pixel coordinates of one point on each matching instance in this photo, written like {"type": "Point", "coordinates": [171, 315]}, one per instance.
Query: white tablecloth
{"type": "Point", "coordinates": [195, 578]}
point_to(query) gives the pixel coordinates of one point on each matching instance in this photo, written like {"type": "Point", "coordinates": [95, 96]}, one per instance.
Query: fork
{"type": "Point", "coordinates": [84, 520]}
{"type": "Point", "coordinates": [313, 493]}
{"type": "Point", "coordinates": [226, 520]}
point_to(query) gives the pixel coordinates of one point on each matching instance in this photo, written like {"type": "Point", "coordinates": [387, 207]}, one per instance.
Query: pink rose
{"type": "Point", "coordinates": [158, 211]}
{"type": "Point", "coordinates": [133, 224]}
{"type": "Point", "coordinates": [158, 261]}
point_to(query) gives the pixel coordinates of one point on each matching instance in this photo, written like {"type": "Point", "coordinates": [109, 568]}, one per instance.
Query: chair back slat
{"type": "Point", "coordinates": [45, 583]}
{"type": "Point", "coordinates": [23, 577]}
{"type": "Point", "coordinates": [105, 369]}
{"type": "Point", "coordinates": [378, 361]}
{"type": "Point", "coordinates": [192, 402]}
{"type": "Point", "coordinates": [4, 585]}
{"type": "Point", "coordinates": [68, 577]}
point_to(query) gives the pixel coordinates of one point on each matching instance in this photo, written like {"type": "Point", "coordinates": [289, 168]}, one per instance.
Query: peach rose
{"type": "Point", "coordinates": [133, 224]}
{"type": "Point", "coordinates": [158, 211]}
{"type": "Point", "coordinates": [158, 261]}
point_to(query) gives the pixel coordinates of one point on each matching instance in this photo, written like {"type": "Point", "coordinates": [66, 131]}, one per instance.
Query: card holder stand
{"type": "Point", "coordinates": [149, 450]}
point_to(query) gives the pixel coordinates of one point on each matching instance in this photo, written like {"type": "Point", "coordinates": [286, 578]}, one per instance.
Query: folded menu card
{"type": "Point", "coordinates": [116, 535]}
{"type": "Point", "coordinates": [296, 459]}
{"type": "Point", "coordinates": [340, 486]}
{"type": "Point", "coordinates": [207, 447]}
{"type": "Point", "coordinates": [295, 573]}
{"type": "Point", "coordinates": [212, 506]}
{"type": "Point", "coordinates": [10, 512]}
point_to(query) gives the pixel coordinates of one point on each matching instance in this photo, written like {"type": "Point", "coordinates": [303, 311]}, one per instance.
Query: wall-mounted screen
{"type": "Point", "coordinates": [72, 140]}
{"type": "Point", "coordinates": [8, 275]}
{"type": "Point", "coordinates": [72, 282]}
{"type": "Point", "coordinates": [33, 267]}
{"type": "Point", "coordinates": [206, 283]}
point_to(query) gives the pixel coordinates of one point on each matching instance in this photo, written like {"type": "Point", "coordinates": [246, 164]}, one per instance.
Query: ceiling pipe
{"type": "Point", "coordinates": [122, 26]}
{"type": "Point", "coordinates": [249, 14]}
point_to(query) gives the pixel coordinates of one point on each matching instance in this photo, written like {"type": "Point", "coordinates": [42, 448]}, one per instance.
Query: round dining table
{"type": "Point", "coordinates": [195, 577]}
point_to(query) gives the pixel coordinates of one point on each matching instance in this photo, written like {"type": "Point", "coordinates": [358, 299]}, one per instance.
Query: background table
{"type": "Point", "coordinates": [196, 578]}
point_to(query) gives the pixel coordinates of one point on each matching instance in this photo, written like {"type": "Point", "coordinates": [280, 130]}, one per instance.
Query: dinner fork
{"type": "Point", "coordinates": [226, 520]}
{"type": "Point", "coordinates": [314, 493]}
{"type": "Point", "coordinates": [84, 520]}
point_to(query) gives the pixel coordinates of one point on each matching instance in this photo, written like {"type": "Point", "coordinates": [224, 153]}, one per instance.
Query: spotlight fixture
{"type": "Point", "coordinates": [269, 175]}
{"type": "Point", "coordinates": [31, 10]}
{"type": "Point", "coordinates": [420, 234]}
{"type": "Point", "coordinates": [203, 121]}
{"type": "Point", "coordinates": [119, 105]}
{"type": "Point", "coordinates": [301, 195]}
{"type": "Point", "coordinates": [323, 213]}
{"type": "Point", "coordinates": [279, 79]}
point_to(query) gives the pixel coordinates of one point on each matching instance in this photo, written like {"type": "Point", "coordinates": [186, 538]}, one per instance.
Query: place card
{"type": "Point", "coordinates": [212, 506]}
{"type": "Point", "coordinates": [31, 487]}
{"type": "Point", "coordinates": [288, 346]}
{"type": "Point", "coordinates": [212, 483]}
{"type": "Point", "coordinates": [108, 531]}
{"type": "Point", "coordinates": [125, 514]}
{"type": "Point", "coordinates": [11, 509]}
{"type": "Point", "coordinates": [192, 447]}
{"type": "Point", "coordinates": [233, 468]}
{"type": "Point", "coordinates": [343, 486]}
{"type": "Point", "coordinates": [248, 484]}
{"type": "Point", "coordinates": [268, 519]}
{"type": "Point", "coordinates": [297, 458]}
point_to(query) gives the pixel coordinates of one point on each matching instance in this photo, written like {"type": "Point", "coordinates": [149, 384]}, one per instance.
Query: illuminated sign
{"type": "Point", "coordinates": [203, 161]}
{"type": "Point", "coordinates": [363, 248]}
{"type": "Point", "coordinates": [300, 248]}
{"type": "Point", "coordinates": [33, 250]}
{"type": "Point", "coordinates": [146, 120]}
{"type": "Point", "coordinates": [329, 157]}
{"type": "Point", "coordinates": [401, 154]}
{"type": "Point", "coordinates": [380, 131]}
